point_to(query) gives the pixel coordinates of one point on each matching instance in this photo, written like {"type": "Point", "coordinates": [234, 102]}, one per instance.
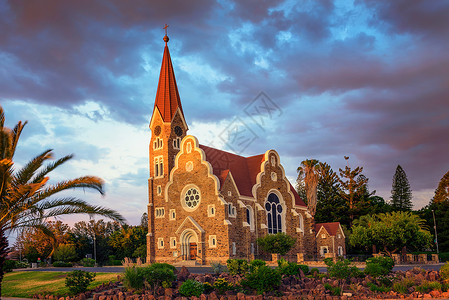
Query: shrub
{"type": "Point", "coordinates": [208, 287]}
{"type": "Point", "coordinates": [377, 266]}
{"type": "Point", "coordinates": [403, 285]}
{"type": "Point", "coordinates": [8, 265]}
{"type": "Point", "coordinates": [217, 267]}
{"type": "Point", "coordinates": [65, 253]}
{"type": "Point", "coordinates": [222, 285]}
{"type": "Point", "coordinates": [237, 266]}
{"type": "Point", "coordinates": [376, 288]}
{"type": "Point", "coordinates": [335, 290]}
{"type": "Point", "coordinates": [279, 243]}
{"type": "Point", "coordinates": [262, 280]}
{"type": "Point", "coordinates": [160, 274]}
{"type": "Point", "coordinates": [88, 262]}
{"type": "Point", "coordinates": [291, 268]}
{"type": "Point", "coordinates": [428, 286]}
{"type": "Point", "coordinates": [341, 269]}
{"type": "Point", "coordinates": [255, 264]}
{"type": "Point", "coordinates": [21, 265]}
{"type": "Point", "coordinates": [134, 278]}
{"type": "Point", "coordinates": [77, 281]}
{"type": "Point", "coordinates": [62, 264]}
{"type": "Point", "coordinates": [444, 271]}
{"type": "Point", "coordinates": [191, 288]}
{"type": "Point", "coordinates": [314, 271]}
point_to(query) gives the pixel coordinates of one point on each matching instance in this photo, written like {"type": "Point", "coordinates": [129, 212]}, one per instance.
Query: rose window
{"type": "Point", "coordinates": [192, 198]}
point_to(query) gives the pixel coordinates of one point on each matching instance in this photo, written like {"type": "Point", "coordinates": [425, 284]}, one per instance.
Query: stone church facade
{"type": "Point", "coordinates": [210, 205]}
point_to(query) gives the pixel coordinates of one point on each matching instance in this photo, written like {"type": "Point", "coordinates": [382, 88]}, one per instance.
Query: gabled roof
{"type": "Point", "coordinates": [244, 170]}
{"type": "Point", "coordinates": [331, 228]}
{"type": "Point", "coordinates": [167, 96]}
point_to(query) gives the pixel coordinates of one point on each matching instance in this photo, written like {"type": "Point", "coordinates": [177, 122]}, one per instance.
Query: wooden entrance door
{"type": "Point", "coordinates": [193, 249]}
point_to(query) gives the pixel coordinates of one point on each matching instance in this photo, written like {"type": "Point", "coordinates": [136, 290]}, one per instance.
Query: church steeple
{"type": "Point", "coordinates": [167, 96]}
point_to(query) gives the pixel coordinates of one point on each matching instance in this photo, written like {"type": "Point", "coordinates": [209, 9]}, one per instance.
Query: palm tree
{"type": "Point", "coordinates": [309, 173]}
{"type": "Point", "coordinates": [26, 196]}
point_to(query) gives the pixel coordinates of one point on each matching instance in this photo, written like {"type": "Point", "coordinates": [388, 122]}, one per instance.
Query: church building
{"type": "Point", "coordinates": [208, 205]}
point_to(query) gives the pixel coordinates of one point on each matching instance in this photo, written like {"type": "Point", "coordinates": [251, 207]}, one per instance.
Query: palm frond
{"type": "Point", "coordinates": [50, 167]}
{"type": "Point", "coordinates": [89, 182]}
{"type": "Point", "coordinates": [17, 131]}
{"type": "Point", "coordinates": [25, 174]}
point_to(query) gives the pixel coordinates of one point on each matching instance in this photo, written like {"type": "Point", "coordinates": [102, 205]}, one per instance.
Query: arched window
{"type": "Point", "coordinates": [274, 214]}
{"type": "Point", "coordinates": [301, 223]}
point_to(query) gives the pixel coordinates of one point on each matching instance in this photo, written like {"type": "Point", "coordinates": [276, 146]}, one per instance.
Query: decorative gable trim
{"type": "Point", "coordinates": [241, 204]}
{"type": "Point", "coordinates": [322, 228]}
{"type": "Point", "coordinates": [264, 163]}
{"type": "Point", "coordinates": [295, 213]}
{"type": "Point", "coordinates": [259, 207]}
{"type": "Point", "coordinates": [227, 222]}
{"type": "Point", "coordinates": [233, 183]}
{"type": "Point", "coordinates": [193, 222]}
{"type": "Point", "coordinates": [195, 144]}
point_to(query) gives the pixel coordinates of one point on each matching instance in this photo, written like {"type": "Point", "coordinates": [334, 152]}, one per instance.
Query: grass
{"type": "Point", "coordinates": [27, 284]}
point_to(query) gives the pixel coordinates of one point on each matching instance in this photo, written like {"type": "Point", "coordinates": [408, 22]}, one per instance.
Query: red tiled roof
{"type": "Point", "coordinates": [167, 96]}
{"type": "Point", "coordinates": [244, 170]}
{"type": "Point", "coordinates": [331, 228]}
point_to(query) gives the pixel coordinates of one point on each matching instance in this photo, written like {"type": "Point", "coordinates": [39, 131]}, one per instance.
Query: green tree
{"type": "Point", "coordinates": [308, 173]}
{"type": "Point", "coordinates": [83, 233]}
{"type": "Point", "coordinates": [401, 194]}
{"type": "Point", "coordinates": [352, 184]}
{"type": "Point", "coordinates": [331, 207]}
{"type": "Point", "coordinates": [26, 195]}
{"type": "Point", "coordinates": [65, 253]}
{"type": "Point", "coordinates": [126, 241]}
{"type": "Point", "coordinates": [442, 191]}
{"type": "Point", "coordinates": [391, 232]}
{"type": "Point", "coordinates": [279, 243]}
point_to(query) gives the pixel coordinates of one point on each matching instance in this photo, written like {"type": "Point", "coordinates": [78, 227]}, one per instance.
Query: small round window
{"type": "Point", "coordinates": [192, 198]}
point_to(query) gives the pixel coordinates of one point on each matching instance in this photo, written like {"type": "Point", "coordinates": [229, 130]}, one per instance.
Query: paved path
{"type": "Point", "coordinates": [201, 269]}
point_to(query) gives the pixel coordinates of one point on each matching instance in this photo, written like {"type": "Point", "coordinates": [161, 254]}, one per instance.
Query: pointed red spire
{"type": "Point", "coordinates": [167, 96]}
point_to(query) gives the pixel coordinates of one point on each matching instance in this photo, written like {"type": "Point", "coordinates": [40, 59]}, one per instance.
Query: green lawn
{"type": "Point", "coordinates": [26, 284]}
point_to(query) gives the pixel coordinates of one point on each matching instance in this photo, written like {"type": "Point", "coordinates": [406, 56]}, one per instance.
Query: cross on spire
{"type": "Point", "coordinates": [166, 39]}
{"type": "Point", "coordinates": [165, 27]}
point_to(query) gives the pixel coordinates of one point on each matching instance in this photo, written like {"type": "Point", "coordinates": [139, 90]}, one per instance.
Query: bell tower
{"type": "Point", "coordinates": [168, 127]}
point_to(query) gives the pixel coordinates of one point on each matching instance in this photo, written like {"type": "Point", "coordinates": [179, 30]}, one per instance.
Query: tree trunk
{"type": "Point", "coordinates": [3, 253]}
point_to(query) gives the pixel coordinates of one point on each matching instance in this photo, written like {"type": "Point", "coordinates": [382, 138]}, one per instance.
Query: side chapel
{"type": "Point", "coordinates": [207, 204]}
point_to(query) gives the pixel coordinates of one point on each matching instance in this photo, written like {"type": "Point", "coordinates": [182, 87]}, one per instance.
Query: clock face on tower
{"type": "Point", "coordinates": [157, 130]}
{"type": "Point", "coordinates": [178, 131]}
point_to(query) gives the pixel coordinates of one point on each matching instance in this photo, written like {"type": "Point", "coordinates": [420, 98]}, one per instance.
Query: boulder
{"type": "Point", "coordinates": [183, 274]}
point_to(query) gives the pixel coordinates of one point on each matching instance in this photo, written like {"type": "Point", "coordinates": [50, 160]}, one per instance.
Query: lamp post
{"type": "Point", "coordinates": [435, 228]}
{"type": "Point", "coordinates": [95, 250]}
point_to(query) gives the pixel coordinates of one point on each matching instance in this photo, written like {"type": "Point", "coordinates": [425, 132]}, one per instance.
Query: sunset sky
{"type": "Point", "coordinates": [366, 79]}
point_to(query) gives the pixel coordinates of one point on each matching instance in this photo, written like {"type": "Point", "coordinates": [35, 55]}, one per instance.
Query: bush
{"type": "Point", "coordinates": [403, 285]}
{"type": "Point", "coordinates": [428, 286]}
{"type": "Point", "coordinates": [62, 264]}
{"type": "Point", "coordinates": [88, 262]}
{"type": "Point", "coordinates": [291, 268]}
{"type": "Point", "coordinates": [262, 280]}
{"type": "Point", "coordinates": [314, 271]}
{"type": "Point", "coordinates": [255, 264]}
{"type": "Point", "coordinates": [222, 285]}
{"type": "Point", "coordinates": [21, 264]}
{"type": "Point", "coordinates": [208, 287]}
{"type": "Point", "coordinates": [191, 288]}
{"type": "Point", "coordinates": [444, 271]}
{"type": "Point", "coordinates": [160, 274]}
{"type": "Point", "coordinates": [217, 267]}
{"type": "Point", "coordinates": [375, 288]}
{"type": "Point", "coordinates": [335, 290]}
{"type": "Point", "coordinates": [341, 269]}
{"type": "Point", "coordinates": [237, 266]}
{"type": "Point", "coordinates": [279, 243]}
{"type": "Point", "coordinates": [377, 266]}
{"type": "Point", "coordinates": [8, 265]}
{"type": "Point", "coordinates": [78, 281]}
{"type": "Point", "coordinates": [134, 278]}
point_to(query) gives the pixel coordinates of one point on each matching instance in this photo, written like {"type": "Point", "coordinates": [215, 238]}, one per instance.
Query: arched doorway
{"type": "Point", "coordinates": [189, 245]}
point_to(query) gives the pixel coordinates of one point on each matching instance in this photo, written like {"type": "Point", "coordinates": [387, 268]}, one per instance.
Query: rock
{"type": "Point", "coordinates": [183, 274]}
{"type": "Point", "coordinates": [120, 296]}
{"type": "Point", "coordinates": [435, 294]}
{"type": "Point", "coordinates": [240, 296]}
{"type": "Point", "coordinates": [168, 292]}
{"type": "Point", "coordinates": [102, 297]}
{"type": "Point", "coordinates": [212, 296]}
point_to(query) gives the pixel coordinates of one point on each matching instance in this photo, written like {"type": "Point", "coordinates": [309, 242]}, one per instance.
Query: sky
{"type": "Point", "coordinates": [311, 79]}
